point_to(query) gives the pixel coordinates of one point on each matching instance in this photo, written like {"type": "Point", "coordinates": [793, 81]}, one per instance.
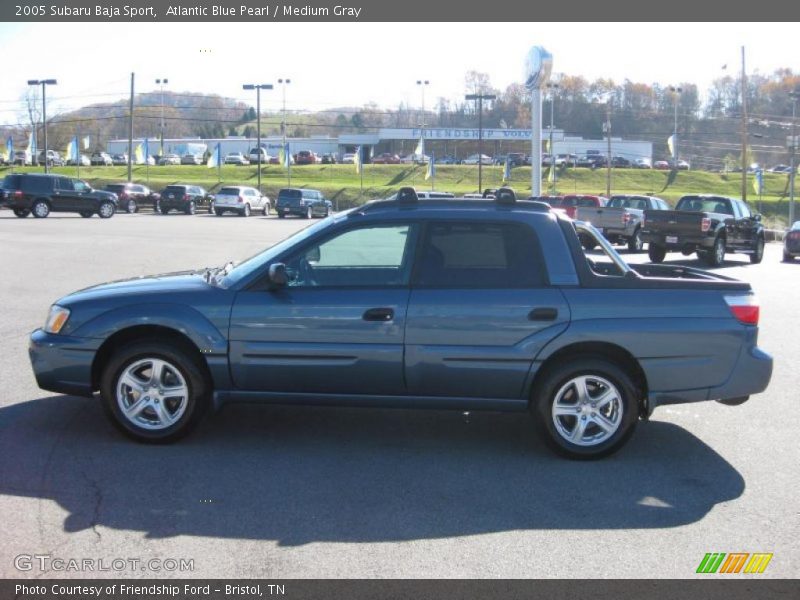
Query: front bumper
{"type": "Point", "coordinates": [62, 363]}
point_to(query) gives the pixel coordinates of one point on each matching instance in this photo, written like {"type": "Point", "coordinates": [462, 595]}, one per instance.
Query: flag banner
{"type": "Point", "coordinates": [420, 150]}
{"type": "Point", "coordinates": [552, 176]}
{"type": "Point", "coordinates": [30, 151]}
{"type": "Point", "coordinates": [138, 155]}
{"type": "Point", "coordinates": [146, 149]}
{"type": "Point", "coordinates": [671, 145]}
{"type": "Point", "coordinates": [287, 156]}
{"type": "Point", "coordinates": [357, 160]}
{"type": "Point", "coordinates": [87, 140]}
{"type": "Point", "coordinates": [213, 159]}
{"type": "Point", "coordinates": [758, 182]}
{"type": "Point", "coordinates": [71, 152]}
{"type": "Point", "coordinates": [507, 170]}
{"type": "Point", "coordinates": [431, 170]}
{"type": "Point", "coordinates": [10, 149]}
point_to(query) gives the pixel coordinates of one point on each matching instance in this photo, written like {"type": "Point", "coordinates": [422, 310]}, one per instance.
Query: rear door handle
{"type": "Point", "coordinates": [378, 314]}
{"type": "Point", "coordinates": [543, 314]}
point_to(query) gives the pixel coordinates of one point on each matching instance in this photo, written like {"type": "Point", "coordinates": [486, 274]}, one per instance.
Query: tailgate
{"type": "Point", "coordinates": [673, 222]}
{"type": "Point", "coordinates": [602, 217]}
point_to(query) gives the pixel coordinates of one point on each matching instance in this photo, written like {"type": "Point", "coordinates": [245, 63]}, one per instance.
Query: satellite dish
{"type": "Point", "coordinates": [538, 64]}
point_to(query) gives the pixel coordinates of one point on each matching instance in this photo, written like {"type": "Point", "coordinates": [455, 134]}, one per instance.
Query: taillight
{"type": "Point", "coordinates": [705, 224]}
{"type": "Point", "coordinates": [18, 194]}
{"type": "Point", "coordinates": [625, 218]}
{"type": "Point", "coordinates": [744, 307]}
{"type": "Point", "coordinates": [794, 235]}
{"type": "Point", "coordinates": [240, 199]}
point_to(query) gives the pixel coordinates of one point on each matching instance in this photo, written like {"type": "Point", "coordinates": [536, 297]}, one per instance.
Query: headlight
{"type": "Point", "coordinates": [56, 319]}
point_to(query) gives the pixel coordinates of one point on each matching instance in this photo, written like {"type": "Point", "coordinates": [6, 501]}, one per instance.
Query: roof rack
{"type": "Point", "coordinates": [407, 195]}
{"type": "Point", "coordinates": [505, 195]}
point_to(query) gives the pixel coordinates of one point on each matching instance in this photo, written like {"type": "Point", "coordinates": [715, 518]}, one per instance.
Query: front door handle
{"type": "Point", "coordinates": [543, 314]}
{"type": "Point", "coordinates": [378, 314]}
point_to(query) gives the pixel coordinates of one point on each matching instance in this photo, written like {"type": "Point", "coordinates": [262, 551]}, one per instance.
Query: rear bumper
{"type": "Point", "coordinates": [174, 204]}
{"type": "Point", "coordinates": [61, 363]}
{"type": "Point", "coordinates": [681, 241]}
{"type": "Point", "coordinates": [751, 375]}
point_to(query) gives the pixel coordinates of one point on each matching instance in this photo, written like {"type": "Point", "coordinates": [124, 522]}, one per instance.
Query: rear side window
{"type": "Point", "coordinates": [479, 255]}
{"type": "Point", "coordinates": [11, 182]}
{"type": "Point", "coordinates": [37, 185]}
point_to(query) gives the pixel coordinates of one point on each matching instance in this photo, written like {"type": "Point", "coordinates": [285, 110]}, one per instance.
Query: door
{"type": "Point", "coordinates": [338, 326]}
{"type": "Point", "coordinates": [65, 197]}
{"type": "Point", "coordinates": [480, 310]}
{"type": "Point", "coordinates": [746, 226]}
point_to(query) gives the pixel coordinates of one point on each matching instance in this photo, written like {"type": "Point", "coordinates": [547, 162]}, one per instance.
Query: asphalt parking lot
{"type": "Point", "coordinates": [293, 492]}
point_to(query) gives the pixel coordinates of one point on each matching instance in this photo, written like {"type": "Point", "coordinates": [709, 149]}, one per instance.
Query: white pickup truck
{"type": "Point", "coordinates": [620, 220]}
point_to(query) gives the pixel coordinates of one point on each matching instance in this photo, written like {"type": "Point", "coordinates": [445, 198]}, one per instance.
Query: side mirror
{"type": "Point", "coordinates": [757, 217]}
{"type": "Point", "coordinates": [277, 274]}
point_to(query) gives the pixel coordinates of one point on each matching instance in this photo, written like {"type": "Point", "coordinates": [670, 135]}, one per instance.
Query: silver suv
{"type": "Point", "coordinates": [241, 200]}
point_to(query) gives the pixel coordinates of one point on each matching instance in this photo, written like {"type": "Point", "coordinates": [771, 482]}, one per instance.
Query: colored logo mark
{"type": "Point", "coordinates": [734, 562]}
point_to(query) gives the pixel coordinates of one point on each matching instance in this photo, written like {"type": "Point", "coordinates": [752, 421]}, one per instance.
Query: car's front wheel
{"type": "Point", "coordinates": [758, 251]}
{"type": "Point", "coordinates": [265, 211]}
{"type": "Point", "coordinates": [106, 210]}
{"type": "Point", "coordinates": [586, 407]}
{"type": "Point", "coordinates": [153, 391]}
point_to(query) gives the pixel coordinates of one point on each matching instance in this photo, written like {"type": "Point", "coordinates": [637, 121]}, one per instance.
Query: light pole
{"type": "Point", "coordinates": [44, 83]}
{"type": "Point", "coordinates": [676, 94]}
{"type": "Point", "coordinates": [284, 82]}
{"type": "Point", "coordinates": [258, 87]}
{"type": "Point", "coordinates": [607, 130]}
{"type": "Point", "coordinates": [161, 83]}
{"type": "Point", "coordinates": [422, 83]}
{"type": "Point", "coordinates": [552, 87]}
{"type": "Point", "coordinates": [480, 98]}
{"type": "Point", "coordinates": [792, 163]}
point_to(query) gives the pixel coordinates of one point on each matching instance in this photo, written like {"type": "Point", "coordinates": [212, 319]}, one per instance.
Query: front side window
{"type": "Point", "coordinates": [479, 255]}
{"type": "Point", "coordinates": [369, 256]}
{"type": "Point", "coordinates": [80, 186]}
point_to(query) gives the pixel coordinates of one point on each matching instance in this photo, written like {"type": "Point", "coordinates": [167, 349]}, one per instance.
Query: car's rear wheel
{"type": "Point", "coordinates": [716, 256]}
{"type": "Point", "coordinates": [586, 407]}
{"type": "Point", "coordinates": [656, 253]}
{"type": "Point", "coordinates": [164, 211]}
{"type": "Point", "coordinates": [758, 251]}
{"type": "Point", "coordinates": [265, 210]}
{"type": "Point", "coordinates": [281, 215]}
{"type": "Point", "coordinates": [153, 391]}
{"type": "Point", "coordinates": [635, 243]}
{"type": "Point", "coordinates": [219, 212]}
{"type": "Point", "coordinates": [786, 256]}
{"type": "Point", "coordinates": [21, 212]}
{"type": "Point", "coordinates": [211, 207]}
{"type": "Point", "coordinates": [309, 212]}
{"type": "Point", "coordinates": [106, 210]}
{"type": "Point", "coordinates": [86, 214]}
{"type": "Point", "coordinates": [131, 206]}
{"type": "Point", "coordinates": [40, 209]}
{"type": "Point", "coordinates": [191, 208]}
{"type": "Point", "coordinates": [245, 211]}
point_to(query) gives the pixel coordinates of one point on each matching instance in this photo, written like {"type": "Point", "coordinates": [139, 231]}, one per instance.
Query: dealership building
{"type": "Point", "coordinates": [450, 141]}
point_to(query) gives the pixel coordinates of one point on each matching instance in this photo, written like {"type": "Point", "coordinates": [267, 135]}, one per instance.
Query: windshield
{"type": "Point", "coordinates": [255, 263]}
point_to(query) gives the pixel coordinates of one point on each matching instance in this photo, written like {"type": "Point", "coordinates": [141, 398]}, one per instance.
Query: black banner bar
{"type": "Point", "coordinates": [749, 588]}
{"type": "Point", "coordinates": [496, 11]}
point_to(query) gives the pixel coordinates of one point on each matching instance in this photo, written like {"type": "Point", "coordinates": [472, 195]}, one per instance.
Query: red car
{"type": "Point", "coordinates": [386, 159]}
{"type": "Point", "coordinates": [306, 157]}
{"type": "Point", "coordinates": [661, 165]}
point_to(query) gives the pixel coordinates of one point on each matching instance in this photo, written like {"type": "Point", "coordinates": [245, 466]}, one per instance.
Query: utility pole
{"type": "Point", "coordinates": [130, 133]}
{"type": "Point", "coordinates": [677, 91]}
{"type": "Point", "coordinates": [258, 87]}
{"type": "Point", "coordinates": [744, 130]}
{"type": "Point", "coordinates": [794, 96]}
{"type": "Point", "coordinates": [161, 83]}
{"type": "Point", "coordinates": [607, 129]}
{"type": "Point", "coordinates": [422, 83]}
{"type": "Point", "coordinates": [284, 83]}
{"type": "Point", "coordinates": [480, 98]}
{"type": "Point", "coordinates": [552, 87]}
{"type": "Point", "coordinates": [44, 83]}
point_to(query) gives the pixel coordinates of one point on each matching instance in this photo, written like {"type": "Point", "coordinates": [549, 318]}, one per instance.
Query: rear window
{"type": "Point", "coordinates": [175, 189]}
{"type": "Point", "coordinates": [290, 194]}
{"type": "Point", "coordinates": [477, 255]}
{"type": "Point", "coordinates": [11, 182]}
{"type": "Point", "coordinates": [698, 204]}
{"type": "Point", "coordinates": [626, 202]}
{"type": "Point", "coordinates": [115, 187]}
{"type": "Point", "coordinates": [229, 191]}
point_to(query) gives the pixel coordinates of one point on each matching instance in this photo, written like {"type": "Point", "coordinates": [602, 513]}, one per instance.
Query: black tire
{"type": "Point", "coordinates": [164, 211]}
{"type": "Point", "coordinates": [588, 243]}
{"type": "Point", "coordinates": [245, 211]}
{"type": "Point", "coordinates": [716, 256]}
{"type": "Point", "coordinates": [211, 208]}
{"type": "Point", "coordinates": [787, 257]}
{"type": "Point", "coordinates": [21, 212]}
{"type": "Point", "coordinates": [554, 383]}
{"type": "Point", "coordinates": [191, 208]}
{"type": "Point", "coordinates": [656, 253]}
{"type": "Point", "coordinates": [40, 209]}
{"type": "Point", "coordinates": [106, 210]}
{"type": "Point", "coordinates": [86, 214]}
{"type": "Point", "coordinates": [758, 251]}
{"type": "Point", "coordinates": [281, 215]}
{"type": "Point", "coordinates": [218, 211]}
{"type": "Point", "coordinates": [309, 212]}
{"type": "Point", "coordinates": [131, 206]}
{"type": "Point", "coordinates": [635, 243]}
{"type": "Point", "coordinates": [187, 365]}
{"type": "Point", "coordinates": [265, 210]}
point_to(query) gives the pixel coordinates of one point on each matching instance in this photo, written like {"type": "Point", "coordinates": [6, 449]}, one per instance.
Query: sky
{"type": "Point", "coordinates": [351, 64]}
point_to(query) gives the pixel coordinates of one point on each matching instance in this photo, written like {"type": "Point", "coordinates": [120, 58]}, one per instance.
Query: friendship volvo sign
{"type": "Point", "coordinates": [451, 133]}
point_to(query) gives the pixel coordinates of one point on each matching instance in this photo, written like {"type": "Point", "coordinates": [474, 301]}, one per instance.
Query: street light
{"type": "Point", "coordinates": [422, 83]}
{"type": "Point", "coordinates": [284, 82]}
{"type": "Point", "coordinates": [552, 87]}
{"type": "Point", "coordinates": [676, 91]}
{"type": "Point", "coordinates": [161, 83]}
{"type": "Point", "coordinates": [794, 95]}
{"type": "Point", "coordinates": [258, 87]}
{"type": "Point", "coordinates": [44, 83]}
{"type": "Point", "coordinates": [480, 98]}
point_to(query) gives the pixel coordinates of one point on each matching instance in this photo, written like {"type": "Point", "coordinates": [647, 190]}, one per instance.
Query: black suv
{"type": "Point", "coordinates": [132, 196]}
{"type": "Point", "coordinates": [42, 194]}
{"type": "Point", "coordinates": [184, 198]}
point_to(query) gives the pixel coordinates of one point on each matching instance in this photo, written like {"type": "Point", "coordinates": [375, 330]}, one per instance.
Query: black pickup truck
{"type": "Point", "coordinates": [706, 224]}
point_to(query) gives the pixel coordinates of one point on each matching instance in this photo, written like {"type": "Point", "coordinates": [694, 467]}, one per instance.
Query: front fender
{"type": "Point", "coordinates": [179, 317]}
